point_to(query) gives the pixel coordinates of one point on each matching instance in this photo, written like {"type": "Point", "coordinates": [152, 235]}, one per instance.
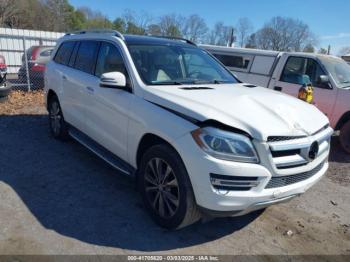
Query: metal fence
{"type": "Point", "coordinates": [26, 53]}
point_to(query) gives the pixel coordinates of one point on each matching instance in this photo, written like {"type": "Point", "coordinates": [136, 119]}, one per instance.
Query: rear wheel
{"type": "Point", "coordinates": [58, 126]}
{"type": "Point", "coordinates": [166, 189]}
{"type": "Point", "coordinates": [344, 137]}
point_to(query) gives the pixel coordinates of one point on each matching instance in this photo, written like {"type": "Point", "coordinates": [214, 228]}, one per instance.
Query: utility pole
{"type": "Point", "coordinates": [232, 38]}
{"type": "Point", "coordinates": [329, 50]}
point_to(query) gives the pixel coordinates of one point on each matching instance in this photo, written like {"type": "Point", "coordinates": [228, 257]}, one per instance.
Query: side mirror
{"type": "Point", "coordinates": [323, 81]}
{"type": "Point", "coordinates": [113, 80]}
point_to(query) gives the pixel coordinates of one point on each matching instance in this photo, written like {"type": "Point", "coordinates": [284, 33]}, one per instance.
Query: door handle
{"type": "Point", "coordinates": [278, 88]}
{"type": "Point", "coordinates": [64, 77]}
{"type": "Point", "coordinates": [90, 89]}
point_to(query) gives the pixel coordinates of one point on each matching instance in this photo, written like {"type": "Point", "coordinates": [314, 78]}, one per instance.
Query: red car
{"type": "Point", "coordinates": [37, 57]}
{"type": "Point", "coordinates": [4, 88]}
{"type": "Point", "coordinates": [3, 66]}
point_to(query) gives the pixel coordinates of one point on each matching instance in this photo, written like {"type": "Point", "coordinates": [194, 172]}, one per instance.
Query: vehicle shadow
{"type": "Point", "coordinates": [337, 154]}
{"type": "Point", "coordinates": [73, 192]}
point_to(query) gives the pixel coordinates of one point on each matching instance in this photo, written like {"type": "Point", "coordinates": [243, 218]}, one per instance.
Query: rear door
{"type": "Point", "coordinates": [80, 80]}
{"type": "Point", "coordinates": [67, 80]}
{"type": "Point", "coordinates": [299, 69]}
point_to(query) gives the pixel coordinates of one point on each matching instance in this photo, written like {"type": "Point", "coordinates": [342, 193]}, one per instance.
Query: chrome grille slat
{"type": "Point", "coordinates": [292, 153]}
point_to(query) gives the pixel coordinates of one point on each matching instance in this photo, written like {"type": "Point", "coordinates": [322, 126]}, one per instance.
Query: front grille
{"type": "Point", "coordinates": [285, 153]}
{"type": "Point", "coordinates": [289, 152]}
{"type": "Point", "coordinates": [282, 138]}
{"type": "Point", "coordinates": [292, 179]}
{"type": "Point", "coordinates": [233, 183]}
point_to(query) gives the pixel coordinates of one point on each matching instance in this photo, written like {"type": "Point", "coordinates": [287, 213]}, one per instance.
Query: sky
{"type": "Point", "coordinates": [328, 19]}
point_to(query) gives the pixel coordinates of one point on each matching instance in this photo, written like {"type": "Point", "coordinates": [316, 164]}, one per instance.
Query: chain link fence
{"type": "Point", "coordinates": [25, 54]}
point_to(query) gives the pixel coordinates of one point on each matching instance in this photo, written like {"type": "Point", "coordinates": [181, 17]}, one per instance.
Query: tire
{"type": "Point", "coordinates": [58, 127]}
{"type": "Point", "coordinates": [344, 137]}
{"type": "Point", "coordinates": [5, 90]}
{"type": "Point", "coordinates": [165, 188]}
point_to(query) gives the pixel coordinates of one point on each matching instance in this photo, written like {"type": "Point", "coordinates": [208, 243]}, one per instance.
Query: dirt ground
{"type": "Point", "coordinates": [58, 198]}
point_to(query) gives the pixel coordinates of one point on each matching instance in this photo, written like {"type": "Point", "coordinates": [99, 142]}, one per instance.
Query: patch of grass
{"type": "Point", "coordinates": [21, 102]}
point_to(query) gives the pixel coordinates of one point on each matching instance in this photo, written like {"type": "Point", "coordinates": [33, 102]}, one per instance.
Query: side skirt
{"type": "Point", "coordinates": [101, 152]}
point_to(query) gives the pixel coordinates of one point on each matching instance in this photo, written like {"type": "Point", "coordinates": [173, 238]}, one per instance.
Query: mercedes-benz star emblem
{"type": "Point", "coordinates": [313, 152]}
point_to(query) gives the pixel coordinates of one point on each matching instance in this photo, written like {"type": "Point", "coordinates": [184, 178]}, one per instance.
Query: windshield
{"type": "Point", "coordinates": [175, 64]}
{"type": "Point", "coordinates": [339, 70]}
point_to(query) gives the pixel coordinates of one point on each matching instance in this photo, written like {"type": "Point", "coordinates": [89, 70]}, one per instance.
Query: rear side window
{"type": "Point", "coordinates": [233, 61]}
{"type": "Point", "coordinates": [64, 53]}
{"type": "Point", "coordinates": [86, 56]}
{"type": "Point", "coordinates": [262, 65]}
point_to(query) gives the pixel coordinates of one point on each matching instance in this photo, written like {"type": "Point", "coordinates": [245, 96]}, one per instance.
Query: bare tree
{"type": "Point", "coordinates": [26, 14]}
{"type": "Point", "coordinates": [309, 49]}
{"type": "Point", "coordinates": [323, 51]}
{"type": "Point", "coordinates": [8, 10]}
{"type": "Point", "coordinates": [220, 34]}
{"type": "Point", "coordinates": [195, 28]}
{"type": "Point", "coordinates": [285, 34]}
{"type": "Point", "coordinates": [59, 12]}
{"type": "Point", "coordinates": [154, 29]}
{"type": "Point", "coordinates": [251, 42]}
{"type": "Point", "coordinates": [244, 29]}
{"type": "Point", "coordinates": [136, 23]}
{"type": "Point", "coordinates": [171, 25]}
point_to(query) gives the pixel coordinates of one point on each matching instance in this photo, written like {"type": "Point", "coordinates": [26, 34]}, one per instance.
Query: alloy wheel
{"type": "Point", "coordinates": [162, 188]}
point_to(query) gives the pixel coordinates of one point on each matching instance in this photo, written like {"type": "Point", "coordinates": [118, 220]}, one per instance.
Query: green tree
{"type": "Point", "coordinates": [76, 20]}
{"type": "Point", "coordinates": [99, 23]}
{"type": "Point", "coordinates": [119, 25]}
{"type": "Point", "coordinates": [134, 29]}
{"type": "Point", "coordinates": [309, 48]}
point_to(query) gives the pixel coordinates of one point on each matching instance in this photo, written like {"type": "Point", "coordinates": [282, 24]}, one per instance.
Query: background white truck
{"type": "Point", "coordinates": [286, 72]}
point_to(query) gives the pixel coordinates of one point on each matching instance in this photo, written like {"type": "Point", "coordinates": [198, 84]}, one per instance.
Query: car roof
{"type": "Point", "coordinates": [128, 39]}
{"type": "Point", "coordinates": [155, 40]}
{"type": "Point", "coordinates": [246, 51]}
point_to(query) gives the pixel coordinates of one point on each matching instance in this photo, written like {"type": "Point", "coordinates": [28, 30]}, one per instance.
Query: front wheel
{"type": "Point", "coordinates": [166, 189]}
{"type": "Point", "coordinates": [344, 137]}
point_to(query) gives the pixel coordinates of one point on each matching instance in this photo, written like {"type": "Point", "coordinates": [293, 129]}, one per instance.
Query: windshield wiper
{"type": "Point", "coordinates": [215, 81]}
{"type": "Point", "coordinates": [167, 83]}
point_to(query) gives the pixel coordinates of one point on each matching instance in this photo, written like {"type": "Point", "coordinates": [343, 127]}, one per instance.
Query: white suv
{"type": "Point", "coordinates": [197, 140]}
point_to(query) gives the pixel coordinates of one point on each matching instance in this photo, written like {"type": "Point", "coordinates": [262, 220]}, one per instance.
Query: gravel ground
{"type": "Point", "coordinates": [58, 198]}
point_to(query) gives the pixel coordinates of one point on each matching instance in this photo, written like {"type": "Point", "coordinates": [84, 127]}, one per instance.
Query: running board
{"type": "Point", "coordinates": [101, 152]}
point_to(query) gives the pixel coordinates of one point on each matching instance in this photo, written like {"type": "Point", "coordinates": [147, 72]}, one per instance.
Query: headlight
{"type": "Point", "coordinates": [225, 145]}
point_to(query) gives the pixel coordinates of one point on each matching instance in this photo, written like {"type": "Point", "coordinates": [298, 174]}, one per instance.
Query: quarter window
{"type": "Point", "coordinates": [233, 61]}
{"type": "Point", "coordinates": [86, 56]}
{"type": "Point", "coordinates": [64, 53]}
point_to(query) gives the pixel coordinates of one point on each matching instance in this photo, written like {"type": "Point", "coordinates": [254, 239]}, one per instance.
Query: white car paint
{"type": "Point", "coordinates": [265, 69]}
{"type": "Point", "coordinates": [118, 120]}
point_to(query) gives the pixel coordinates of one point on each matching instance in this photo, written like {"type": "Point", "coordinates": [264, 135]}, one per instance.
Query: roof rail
{"type": "Point", "coordinates": [98, 31]}
{"type": "Point", "coordinates": [175, 38]}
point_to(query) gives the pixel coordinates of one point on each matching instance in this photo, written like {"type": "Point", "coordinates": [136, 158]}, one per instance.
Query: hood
{"type": "Point", "coordinates": [259, 111]}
